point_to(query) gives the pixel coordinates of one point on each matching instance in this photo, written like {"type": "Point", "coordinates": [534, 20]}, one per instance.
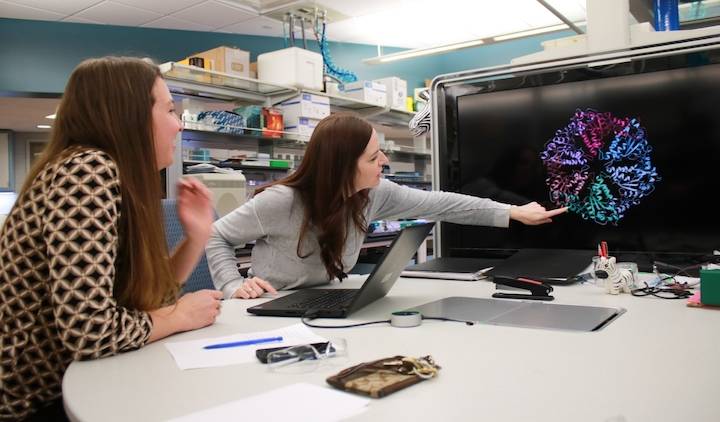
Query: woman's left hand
{"type": "Point", "coordinates": [534, 214]}
{"type": "Point", "coordinates": [195, 209]}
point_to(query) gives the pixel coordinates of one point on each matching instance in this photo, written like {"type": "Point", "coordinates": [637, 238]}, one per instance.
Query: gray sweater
{"type": "Point", "coordinates": [273, 220]}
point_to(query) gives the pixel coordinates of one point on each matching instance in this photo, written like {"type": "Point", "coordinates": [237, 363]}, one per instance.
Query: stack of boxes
{"type": "Point", "coordinates": [386, 92]}
{"type": "Point", "coordinates": [369, 91]}
{"type": "Point", "coordinates": [232, 61]}
{"type": "Point", "coordinates": [224, 59]}
{"type": "Point", "coordinates": [396, 90]}
{"type": "Point", "coordinates": [302, 113]}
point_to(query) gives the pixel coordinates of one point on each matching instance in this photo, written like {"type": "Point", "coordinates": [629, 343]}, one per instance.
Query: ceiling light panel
{"type": "Point", "coordinates": [78, 19]}
{"type": "Point", "coordinates": [169, 22]}
{"type": "Point", "coordinates": [64, 7]}
{"type": "Point", "coordinates": [359, 8]}
{"type": "Point", "coordinates": [118, 14]}
{"type": "Point", "coordinates": [164, 7]}
{"type": "Point", "coordinates": [260, 26]}
{"type": "Point", "coordinates": [214, 14]}
{"type": "Point", "coordinates": [17, 11]}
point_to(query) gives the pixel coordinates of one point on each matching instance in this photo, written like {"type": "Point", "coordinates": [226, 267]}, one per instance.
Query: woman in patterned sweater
{"type": "Point", "coordinates": [84, 269]}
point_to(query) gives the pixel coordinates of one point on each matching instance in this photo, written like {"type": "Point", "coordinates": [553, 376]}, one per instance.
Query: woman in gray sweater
{"type": "Point", "coordinates": [308, 227]}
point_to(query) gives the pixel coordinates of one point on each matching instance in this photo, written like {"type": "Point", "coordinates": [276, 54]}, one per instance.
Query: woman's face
{"type": "Point", "coordinates": [166, 124]}
{"type": "Point", "coordinates": [369, 165]}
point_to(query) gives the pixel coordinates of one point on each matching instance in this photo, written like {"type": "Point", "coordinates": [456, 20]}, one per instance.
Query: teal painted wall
{"type": "Point", "coordinates": [38, 56]}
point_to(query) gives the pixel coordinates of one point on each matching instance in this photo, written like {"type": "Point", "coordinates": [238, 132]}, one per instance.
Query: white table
{"type": "Point", "coordinates": [660, 361]}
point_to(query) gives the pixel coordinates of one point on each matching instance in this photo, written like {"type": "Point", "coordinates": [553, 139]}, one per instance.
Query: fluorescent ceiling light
{"type": "Point", "coordinates": [422, 52]}
{"type": "Point", "coordinates": [44, 126]}
{"type": "Point", "coordinates": [530, 32]}
{"type": "Point", "coordinates": [50, 116]}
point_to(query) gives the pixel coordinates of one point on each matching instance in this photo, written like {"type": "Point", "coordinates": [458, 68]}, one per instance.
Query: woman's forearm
{"type": "Point", "coordinates": [185, 257]}
{"type": "Point", "coordinates": [165, 323]}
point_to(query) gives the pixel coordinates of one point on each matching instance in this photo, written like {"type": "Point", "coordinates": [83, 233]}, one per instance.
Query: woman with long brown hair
{"type": "Point", "coordinates": [84, 268]}
{"type": "Point", "coordinates": [309, 227]}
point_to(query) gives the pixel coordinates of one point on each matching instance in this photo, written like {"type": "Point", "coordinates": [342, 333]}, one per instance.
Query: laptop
{"type": "Point", "coordinates": [553, 266]}
{"type": "Point", "coordinates": [339, 303]}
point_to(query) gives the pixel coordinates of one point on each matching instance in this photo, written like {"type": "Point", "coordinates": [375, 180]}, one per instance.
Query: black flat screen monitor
{"type": "Point", "coordinates": [632, 148]}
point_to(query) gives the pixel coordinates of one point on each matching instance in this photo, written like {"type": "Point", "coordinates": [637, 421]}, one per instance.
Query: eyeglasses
{"type": "Point", "coordinates": [307, 357]}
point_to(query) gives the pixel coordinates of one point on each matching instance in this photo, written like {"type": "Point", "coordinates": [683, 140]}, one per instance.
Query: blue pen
{"type": "Point", "coordinates": [243, 343]}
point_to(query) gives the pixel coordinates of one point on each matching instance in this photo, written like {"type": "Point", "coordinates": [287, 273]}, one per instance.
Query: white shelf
{"type": "Point", "coordinates": [211, 86]}
{"type": "Point", "coordinates": [248, 132]}
{"type": "Point", "coordinates": [191, 80]}
{"type": "Point", "coordinates": [194, 81]}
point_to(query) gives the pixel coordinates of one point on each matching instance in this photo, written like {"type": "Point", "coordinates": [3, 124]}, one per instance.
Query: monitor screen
{"type": "Point", "coordinates": [632, 149]}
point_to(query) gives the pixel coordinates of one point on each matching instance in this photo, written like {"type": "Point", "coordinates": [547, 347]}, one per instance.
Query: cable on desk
{"type": "Point", "coordinates": [310, 315]}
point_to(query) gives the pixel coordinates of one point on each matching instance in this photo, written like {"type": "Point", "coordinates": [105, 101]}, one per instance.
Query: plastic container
{"type": "Point", "coordinates": [292, 66]}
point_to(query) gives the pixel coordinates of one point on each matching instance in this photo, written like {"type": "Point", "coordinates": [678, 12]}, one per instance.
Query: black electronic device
{"type": "Point", "coordinates": [496, 130]}
{"type": "Point", "coordinates": [551, 266]}
{"type": "Point", "coordinates": [339, 303]}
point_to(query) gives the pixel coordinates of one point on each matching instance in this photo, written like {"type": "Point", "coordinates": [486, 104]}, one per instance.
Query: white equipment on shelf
{"type": "Point", "coordinates": [228, 189]}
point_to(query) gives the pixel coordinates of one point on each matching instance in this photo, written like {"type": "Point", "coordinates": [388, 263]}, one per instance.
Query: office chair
{"type": "Point", "coordinates": [200, 277]}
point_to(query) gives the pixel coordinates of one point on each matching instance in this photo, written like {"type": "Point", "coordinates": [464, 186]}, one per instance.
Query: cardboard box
{"type": "Point", "coordinates": [301, 125]}
{"type": "Point", "coordinates": [396, 90]}
{"type": "Point", "coordinates": [368, 91]}
{"type": "Point", "coordinates": [292, 66]}
{"type": "Point", "coordinates": [306, 105]}
{"type": "Point", "coordinates": [227, 60]}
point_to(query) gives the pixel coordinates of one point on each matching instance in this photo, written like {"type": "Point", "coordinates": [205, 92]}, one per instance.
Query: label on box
{"type": "Point", "coordinates": [302, 125]}
{"type": "Point", "coordinates": [306, 105]}
{"type": "Point", "coordinates": [368, 91]}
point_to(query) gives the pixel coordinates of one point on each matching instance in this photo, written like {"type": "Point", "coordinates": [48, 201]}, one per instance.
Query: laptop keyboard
{"type": "Point", "coordinates": [329, 300]}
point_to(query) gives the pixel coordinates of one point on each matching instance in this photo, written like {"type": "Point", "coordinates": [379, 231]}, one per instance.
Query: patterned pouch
{"type": "Point", "coordinates": [384, 376]}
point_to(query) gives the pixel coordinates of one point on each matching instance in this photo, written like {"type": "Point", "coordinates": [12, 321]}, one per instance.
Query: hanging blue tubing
{"type": "Point", "coordinates": [344, 75]}
{"type": "Point", "coordinates": [667, 17]}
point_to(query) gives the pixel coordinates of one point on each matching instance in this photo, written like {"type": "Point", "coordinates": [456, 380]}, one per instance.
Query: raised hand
{"type": "Point", "coordinates": [195, 209]}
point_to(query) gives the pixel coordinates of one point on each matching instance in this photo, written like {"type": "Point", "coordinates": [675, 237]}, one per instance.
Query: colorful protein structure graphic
{"type": "Point", "coordinates": [599, 166]}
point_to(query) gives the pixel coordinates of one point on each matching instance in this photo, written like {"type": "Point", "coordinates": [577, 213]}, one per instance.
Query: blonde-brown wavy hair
{"type": "Point", "coordinates": [325, 181]}
{"type": "Point", "coordinates": [107, 105]}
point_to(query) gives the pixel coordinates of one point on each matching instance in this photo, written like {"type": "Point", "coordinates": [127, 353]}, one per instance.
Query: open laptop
{"type": "Point", "coordinates": [339, 303]}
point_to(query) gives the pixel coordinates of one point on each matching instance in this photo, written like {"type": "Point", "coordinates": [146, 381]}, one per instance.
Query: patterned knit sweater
{"type": "Point", "coordinates": [58, 249]}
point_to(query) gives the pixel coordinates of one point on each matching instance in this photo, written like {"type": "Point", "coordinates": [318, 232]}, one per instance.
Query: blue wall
{"type": "Point", "coordinates": [38, 56]}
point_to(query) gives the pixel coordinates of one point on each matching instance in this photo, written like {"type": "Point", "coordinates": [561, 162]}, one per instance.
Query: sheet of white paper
{"type": "Point", "coordinates": [333, 405]}
{"type": "Point", "coordinates": [191, 354]}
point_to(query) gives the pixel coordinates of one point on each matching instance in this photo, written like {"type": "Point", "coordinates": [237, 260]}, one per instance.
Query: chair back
{"type": "Point", "coordinates": [200, 277]}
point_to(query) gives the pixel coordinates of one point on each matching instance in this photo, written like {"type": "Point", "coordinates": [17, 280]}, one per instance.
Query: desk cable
{"type": "Point", "coordinates": [404, 319]}
{"type": "Point", "coordinates": [673, 290]}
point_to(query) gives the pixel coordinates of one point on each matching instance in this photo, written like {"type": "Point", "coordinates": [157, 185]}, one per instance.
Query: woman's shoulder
{"type": "Point", "coordinates": [384, 188]}
{"type": "Point", "coordinates": [88, 156]}
{"type": "Point", "coordinates": [87, 160]}
{"type": "Point", "coordinates": [87, 165]}
{"type": "Point", "coordinates": [280, 194]}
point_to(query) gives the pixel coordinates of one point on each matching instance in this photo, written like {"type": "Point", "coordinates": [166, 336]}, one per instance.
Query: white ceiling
{"type": "Point", "coordinates": [399, 23]}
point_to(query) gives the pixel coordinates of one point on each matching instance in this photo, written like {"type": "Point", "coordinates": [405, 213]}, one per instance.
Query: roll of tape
{"type": "Point", "coordinates": [405, 319]}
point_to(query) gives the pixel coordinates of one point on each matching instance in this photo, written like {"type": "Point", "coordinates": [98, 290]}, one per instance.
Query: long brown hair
{"type": "Point", "coordinates": [107, 105]}
{"type": "Point", "coordinates": [325, 181]}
